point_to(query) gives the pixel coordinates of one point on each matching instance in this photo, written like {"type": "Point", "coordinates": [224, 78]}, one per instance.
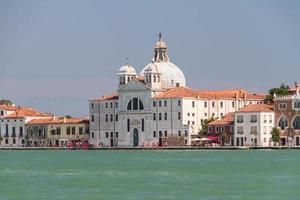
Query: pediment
{"type": "Point", "coordinates": [134, 85]}
{"type": "Point", "coordinates": [135, 123]}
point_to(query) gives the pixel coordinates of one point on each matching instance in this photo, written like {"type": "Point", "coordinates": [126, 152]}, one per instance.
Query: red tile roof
{"type": "Point", "coordinates": [226, 120]}
{"type": "Point", "coordinates": [257, 108]}
{"type": "Point", "coordinates": [58, 120]}
{"type": "Point", "coordinates": [114, 96]}
{"type": "Point", "coordinates": [21, 112]}
{"type": "Point", "coordinates": [10, 108]}
{"type": "Point", "coordinates": [178, 92]}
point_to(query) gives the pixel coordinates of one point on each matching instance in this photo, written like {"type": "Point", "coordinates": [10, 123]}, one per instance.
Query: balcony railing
{"type": "Point", "coordinates": [240, 121]}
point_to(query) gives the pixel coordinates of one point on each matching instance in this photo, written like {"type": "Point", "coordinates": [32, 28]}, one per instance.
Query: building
{"type": "Point", "coordinates": [7, 109]}
{"type": "Point", "coordinates": [155, 108]}
{"type": "Point", "coordinates": [59, 132]}
{"type": "Point", "coordinates": [253, 125]}
{"type": "Point", "coordinates": [12, 124]}
{"type": "Point", "coordinates": [287, 117]}
{"type": "Point", "coordinates": [224, 125]}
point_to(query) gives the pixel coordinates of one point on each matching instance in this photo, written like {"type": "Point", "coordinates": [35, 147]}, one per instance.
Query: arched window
{"type": "Point", "coordinates": [297, 104]}
{"type": "Point", "coordinates": [128, 79]}
{"type": "Point", "coordinates": [135, 104]}
{"type": "Point", "coordinates": [154, 79]}
{"type": "Point", "coordinates": [120, 80]}
{"type": "Point", "coordinates": [296, 123]}
{"type": "Point", "coordinates": [129, 106]}
{"type": "Point", "coordinates": [283, 122]}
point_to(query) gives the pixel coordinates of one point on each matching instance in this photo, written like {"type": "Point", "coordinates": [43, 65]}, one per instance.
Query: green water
{"type": "Point", "coordinates": [130, 175]}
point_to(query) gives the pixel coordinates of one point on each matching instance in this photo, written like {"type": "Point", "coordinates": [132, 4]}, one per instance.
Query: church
{"type": "Point", "coordinates": [156, 108]}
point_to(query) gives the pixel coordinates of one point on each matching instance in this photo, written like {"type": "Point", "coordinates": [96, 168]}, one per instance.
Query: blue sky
{"type": "Point", "coordinates": [57, 54]}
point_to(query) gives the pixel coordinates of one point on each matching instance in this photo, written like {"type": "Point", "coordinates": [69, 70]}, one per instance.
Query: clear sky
{"type": "Point", "coordinates": [57, 54]}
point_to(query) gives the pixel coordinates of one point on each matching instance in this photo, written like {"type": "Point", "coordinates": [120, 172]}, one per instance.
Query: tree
{"type": "Point", "coordinates": [223, 138]}
{"type": "Point", "coordinates": [204, 125]}
{"type": "Point", "coordinates": [281, 91]}
{"type": "Point", "coordinates": [275, 135]}
{"type": "Point", "coordinates": [68, 117]}
{"type": "Point", "coordinates": [1, 138]}
{"type": "Point", "coordinates": [5, 102]}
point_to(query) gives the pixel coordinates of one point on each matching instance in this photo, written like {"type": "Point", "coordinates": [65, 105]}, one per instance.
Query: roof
{"type": "Point", "coordinates": [57, 120]}
{"type": "Point", "coordinates": [21, 112]}
{"type": "Point", "coordinates": [257, 108]}
{"type": "Point", "coordinates": [226, 120]}
{"type": "Point", "coordinates": [10, 108]}
{"type": "Point", "coordinates": [114, 96]}
{"type": "Point", "coordinates": [178, 92]}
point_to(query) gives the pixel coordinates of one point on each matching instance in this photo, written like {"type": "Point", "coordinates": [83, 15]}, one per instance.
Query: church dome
{"type": "Point", "coordinates": [127, 69]}
{"type": "Point", "coordinates": [171, 75]}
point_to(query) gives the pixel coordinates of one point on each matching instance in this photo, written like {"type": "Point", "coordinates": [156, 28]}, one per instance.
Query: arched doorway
{"type": "Point", "coordinates": [135, 137]}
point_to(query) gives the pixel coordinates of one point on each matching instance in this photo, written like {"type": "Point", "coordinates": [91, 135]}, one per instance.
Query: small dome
{"type": "Point", "coordinates": [127, 69]}
{"type": "Point", "coordinates": [151, 68]}
{"type": "Point", "coordinates": [171, 75]}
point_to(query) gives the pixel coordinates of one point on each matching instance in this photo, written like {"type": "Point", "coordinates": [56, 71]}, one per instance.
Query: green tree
{"type": "Point", "coordinates": [5, 102]}
{"type": "Point", "coordinates": [1, 138]}
{"type": "Point", "coordinates": [223, 138]}
{"type": "Point", "coordinates": [275, 135]}
{"type": "Point", "coordinates": [280, 91]}
{"type": "Point", "coordinates": [204, 125]}
{"type": "Point", "coordinates": [68, 117]}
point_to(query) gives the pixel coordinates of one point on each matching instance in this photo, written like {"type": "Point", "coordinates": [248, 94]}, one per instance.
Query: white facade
{"type": "Point", "coordinates": [253, 128]}
{"type": "Point", "coordinates": [151, 109]}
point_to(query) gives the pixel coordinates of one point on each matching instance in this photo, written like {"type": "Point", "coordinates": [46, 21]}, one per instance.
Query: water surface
{"type": "Point", "coordinates": [208, 175]}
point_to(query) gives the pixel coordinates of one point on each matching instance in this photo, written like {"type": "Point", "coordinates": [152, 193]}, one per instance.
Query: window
{"type": "Point", "coordinates": [253, 118]}
{"type": "Point", "coordinates": [209, 129]}
{"type": "Point", "coordinates": [179, 103]}
{"type": "Point", "coordinates": [58, 130]}
{"type": "Point", "coordinates": [116, 104]}
{"type": "Point", "coordinates": [159, 103]}
{"type": "Point", "coordinates": [213, 104]}
{"type": "Point", "coordinates": [68, 130]}
{"type": "Point", "coordinates": [80, 130]}
{"type": "Point", "coordinates": [106, 134]}
{"type": "Point", "coordinates": [296, 123]}
{"type": "Point", "coordinates": [111, 134]}
{"type": "Point", "coordinates": [92, 105]}
{"type": "Point", "coordinates": [283, 122]}
{"type": "Point", "coordinates": [154, 133]}
{"type": "Point", "coordinates": [154, 116]}
{"type": "Point", "coordinates": [106, 105]}
{"type": "Point", "coordinates": [253, 130]}
{"type": "Point", "coordinates": [265, 118]}
{"type": "Point", "coordinates": [222, 129]}
{"type": "Point", "coordinates": [14, 141]}
{"type": "Point", "coordinates": [53, 132]}
{"type": "Point", "coordinates": [6, 141]}
{"type": "Point", "coordinates": [117, 117]}
{"type": "Point", "coordinates": [179, 133]}
{"type": "Point", "coordinates": [128, 125]}
{"type": "Point", "coordinates": [166, 133]}
{"type": "Point", "coordinates": [166, 116]}
{"type": "Point", "coordinates": [92, 118]}
{"type": "Point", "coordinates": [240, 130]}
{"type": "Point", "coordinates": [160, 134]}
{"type": "Point", "coordinates": [185, 133]}
{"type": "Point", "coordinates": [73, 130]}
{"type": "Point", "coordinates": [265, 140]}
{"type": "Point", "coordinates": [240, 119]}
{"type": "Point", "coordinates": [143, 125]}
{"type": "Point", "coordinates": [154, 103]}
{"type": "Point", "coordinates": [282, 106]}
{"type": "Point", "coordinates": [205, 104]}
{"type": "Point", "coordinates": [270, 118]}
{"type": "Point", "coordinates": [135, 104]}
{"type": "Point", "coordinates": [213, 114]}
{"type": "Point", "coordinates": [14, 131]}
{"type": "Point", "coordinates": [117, 135]}
{"type": "Point", "coordinates": [21, 131]}
{"type": "Point", "coordinates": [193, 122]}
{"type": "Point", "coordinates": [233, 104]}
{"type": "Point", "coordinates": [159, 116]}
{"type": "Point", "coordinates": [297, 104]}
{"type": "Point", "coordinates": [111, 105]}
{"type": "Point", "coordinates": [217, 129]}
{"type": "Point", "coordinates": [205, 114]}
{"type": "Point", "coordinates": [193, 114]}
{"type": "Point", "coordinates": [165, 103]}
{"type": "Point", "coordinates": [106, 118]}
{"type": "Point", "coordinates": [179, 115]}
{"type": "Point", "coordinates": [193, 104]}
{"type": "Point", "coordinates": [221, 104]}
{"type": "Point", "coordinates": [188, 122]}
{"type": "Point", "coordinates": [111, 117]}
{"type": "Point", "coordinates": [93, 135]}
{"type": "Point", "coordinates": [188, 114]}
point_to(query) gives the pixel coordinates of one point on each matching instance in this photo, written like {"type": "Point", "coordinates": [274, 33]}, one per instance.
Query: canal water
{"type": "Point", "coordinates": [162, 174]}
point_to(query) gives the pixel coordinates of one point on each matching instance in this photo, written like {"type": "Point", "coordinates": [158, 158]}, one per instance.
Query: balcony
{"type": "Point", "coordinates": [6, 135]}
{"type": "Point", "coordinates": [13, 135]}
{"type": "Point", "coordinates": [239, 121]}
{"type": "Point", "coordinates": [253, 120]}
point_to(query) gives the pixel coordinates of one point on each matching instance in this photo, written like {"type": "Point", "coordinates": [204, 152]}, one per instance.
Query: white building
{"type": "Point", "coordinates": [12, 125]}
{"type": "Point", "coordinates": [253, 125]}
{"type": "Point", "coordinates": [156, 107]}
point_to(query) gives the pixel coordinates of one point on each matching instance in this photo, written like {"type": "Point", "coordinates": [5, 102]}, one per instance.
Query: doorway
{"type": "Point", "coordinates": [135, 137]}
